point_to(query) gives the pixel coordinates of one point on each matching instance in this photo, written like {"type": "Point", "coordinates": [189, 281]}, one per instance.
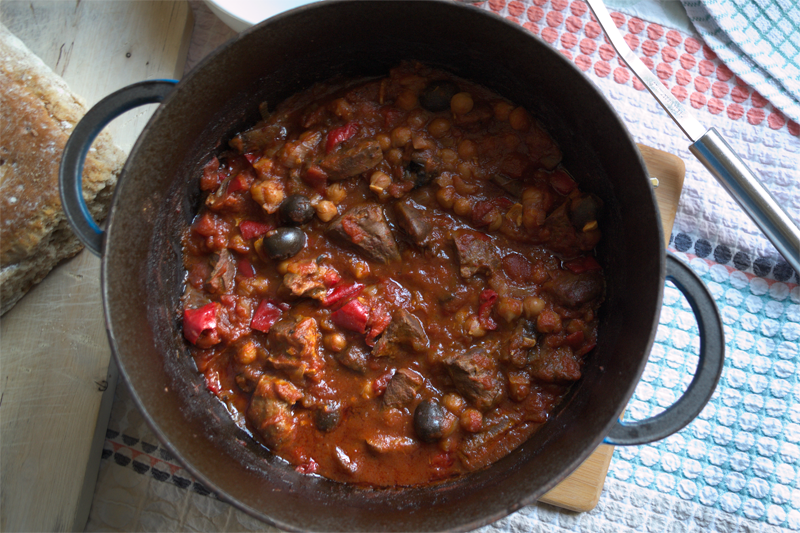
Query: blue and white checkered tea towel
{"type": "Point", "coordinates": [759, 40]}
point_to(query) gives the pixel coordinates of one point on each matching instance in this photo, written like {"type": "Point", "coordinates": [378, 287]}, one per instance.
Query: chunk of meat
{"type": "Point", "coordinates": [476, 253]}
{"type": "Point", "coordinates": [295, 347]}
{"type": "Point", "coordinates": [309, 279]}
{"type": "Point", "coordinates": [554, 365]}
{"type": "Point", "coordinates": [402, 388]}
{"type": "Point", "coordinates": [221, 280]}
{"type": "Point", "coordinates": [475, 376]}
{"type": "Point", "coordinates": [365, 228]}
{"type": "Point", "coordinates": [483, 448]}
{"type": "Point", "coordinates": [389, 443]}
{"type": "Point", "coordinates": [412, 219]}
{"type": "Point", "coordinates": [270, 412]}
{"type": "Point", "coordinates": [343, 164]}
{"type": "Point", "coordinates": [564, 238]}
{"type": "Point", "coordinates": [516, 346]}
{"type": "Point", "coordinates": [353, 357]}
{"type": "Point", "coordinates": [576, 290]}
{"type": "Point", "coordinates": [328, 416]}
{"type": "Point", "coordinates": [404, 332]}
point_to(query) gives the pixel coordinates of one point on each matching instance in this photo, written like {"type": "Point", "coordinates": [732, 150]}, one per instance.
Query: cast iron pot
{"type": "Point", "coordinates": [158, 194]}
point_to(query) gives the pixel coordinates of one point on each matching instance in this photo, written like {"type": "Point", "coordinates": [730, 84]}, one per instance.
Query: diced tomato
{"type": "Point", "coordinates": [265, 316]}
{"type": "Point", "coordinates": [353, 316]}
{"type": "Point", "coordinates": [588, 347]}
{"type": "Point", "coordinates": [196, 321]}
{"type": "Point", "coordinates": [575, 339]}
{"type": "Point", "coordinates": [251, 229]}
{"type": "Point", "coordinates": [211, 175]}
{"type": "Point", "coordinates": [212, 381]}
{"type": "Point", "coordinates": [517, 267]}
{"type": "Point", "coordinates": [309, 467]}
{"type": "Point", "coordinates": [331, 278]}
{"type": "Point", "coordinates": [241, 182]}
{"type": "Point", "coordinates": [562, 183]}
{"type": "Point", "coordinates": [487, 299]}
{"type": "Point", "coordinates": [379, 319]}
{"type": "Point", "coordinates": [338, 135]}
{"type": "Point", "coordinates": [340, 293]}
{"type": "Point", "coordinates": [583, 264]}
{"type": "Point", "coordinates": [549, 321]}
{"type": "Point", "coordinates": [246, 268]}
{"type": "Point", "coordinates": [380, 384]}
{"type": "Point", "coordinates": [442, 460]}
{"type": "Point", "coordinates": [206, 224]}
{"type": "Point", "coordinates": [252, 157]}
{"type": "Point", "coordinates": [390, 115]}
{"type": "Point", "coordinates": [316, 178]}
{"type": "Point", "coordinates": [483, 208]}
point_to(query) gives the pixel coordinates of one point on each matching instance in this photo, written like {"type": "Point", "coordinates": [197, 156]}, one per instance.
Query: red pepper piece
{"type": "Point", "coordinates": [575, 339]}
{"type": "Point", "coordinates": [246, 268]}
{"type": "Point", "coordinates": [487, 299]}
{"type": "Point", "coordinates": [196, 321]}
{"type": "Point", "coordinates": [252, 157]}
{"type": "Point", "coordinates": [316, 178]}
{"type": "Point", "coordinates": [583, 264]}
{"type": "Point", "coordinates": [340, 293]}
{"type": "Point", "coordinates": [562, 182]}
{"type": "Point", "coordinates": [339, 135]}
{"type": "Point", "coordinates": [265, 316]}
{"type": "Point", "coordinates": [353, 316]}
{"type": "Point", "coordinates": [251, 229]}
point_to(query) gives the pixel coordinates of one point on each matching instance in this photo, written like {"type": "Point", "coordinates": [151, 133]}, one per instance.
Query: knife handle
{"type": "Point", "coordinates": [719, 158]}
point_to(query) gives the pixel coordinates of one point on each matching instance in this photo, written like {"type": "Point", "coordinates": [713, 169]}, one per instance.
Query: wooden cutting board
{"type": "Point", "coordinates": [581, 490]}
{"type": "Point", "coordinates": [56, 387]}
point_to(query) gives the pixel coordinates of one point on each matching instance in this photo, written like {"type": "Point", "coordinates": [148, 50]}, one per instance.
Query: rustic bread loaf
{"type": "Point", "coordinates": [37, 113]}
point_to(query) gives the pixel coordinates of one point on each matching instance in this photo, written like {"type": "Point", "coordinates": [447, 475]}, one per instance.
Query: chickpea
{"type": "Point", "coordinates": [246, 353]}
{"type": "Point", "coordinates": [417, 118]}
{"type": "Point", "coordinates": [509, 308]}
{"type": "Point", "coordinates": [467, 149]}
{"type": "Point", "coordinates": [439, 127]}
{"type": "Point", "coordinates": [326, 210]}
{"type": "Point", "coordinates": [446, 197]}
{"type": "Point", "coordinates": [406, 101]}
{"type": "Point", "coordinates": [449, 157]}
{"type": "Point", "coordinates": [502, 110]}
{"type": "Point", "coordinates": [495, 220]}
{"type": "Point", "coordinates": [462, 206]}
{"type": "Point", "coordinates": [465, 170]}
{"type": "Point", "coordinates": [361, 269]}
{"type": "Point", "coordinates": [445, 179]}
{"type": "Point", "coordinates": [336, 193]}
{"type": "Point", "coordinates": [463, 188]}
{"type": "Point", "coordinates": [394, 156]}
{"type": "Point", "coordinates": [283, 267]}
{"type": "Point", "coordinates": [533, 305]}
{"type": "Point", "coordinates": [384, 141]}
{"type": "Point", "coordinates": [448, 444]}
{"type": "Point", "coordinates": [238, 244]}
{"type": "Point", "coordinates": [519, 119]}
{"type": "Point", "coordinates": [379, 182]}
{"type": "Point", "coordinates": [461, 103]}
{"type": "Point", "coordinates": [453, 402]}
{"type": "Point", "coordinates": [471, 420]}
{"type": "Point", "coordinates": [335, 342]}
{"type": "Point", "coordinates": [401, 136]}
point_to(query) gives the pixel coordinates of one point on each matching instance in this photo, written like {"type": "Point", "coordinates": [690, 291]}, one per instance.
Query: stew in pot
{"type": "Point", "coordinates": [391, 281]}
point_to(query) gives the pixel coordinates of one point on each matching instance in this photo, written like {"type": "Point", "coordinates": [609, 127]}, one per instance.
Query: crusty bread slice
{"type": "Point", "coordinates": [37, 113]}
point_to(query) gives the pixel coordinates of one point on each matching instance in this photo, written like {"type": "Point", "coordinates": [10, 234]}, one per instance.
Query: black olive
{"type": "Point", "coordinates": [415, 173]}
{"type": "Point", "coordinates": [429, 421]}
{"type": "Point", "coordinates": [327, 418]}
{"type": "Point", "coordinates": [297, 209]}
{"type": "Point", "coordinates": [284, 243]}
{"type": "Point", "coordinates": [437, 95]}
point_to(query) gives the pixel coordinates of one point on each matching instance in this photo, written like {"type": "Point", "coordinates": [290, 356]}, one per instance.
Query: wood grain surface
{"type": "Point", "coordinates": [55, 384]}
{"type": "Point", "coordinates": [581, 490]}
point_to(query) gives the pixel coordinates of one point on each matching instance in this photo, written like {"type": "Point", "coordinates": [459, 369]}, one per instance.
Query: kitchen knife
{"type": "Point", "coordinates": [714, 152]}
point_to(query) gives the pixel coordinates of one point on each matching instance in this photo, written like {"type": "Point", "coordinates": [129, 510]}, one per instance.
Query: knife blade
{"type": "Point", "coordinates": [713, 151]}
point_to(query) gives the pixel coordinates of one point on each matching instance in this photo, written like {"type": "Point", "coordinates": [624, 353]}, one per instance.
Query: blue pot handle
{"type": "Point", "coordinates": [709, 368]}
{"type": "Point", "coordinates": [71, 170]}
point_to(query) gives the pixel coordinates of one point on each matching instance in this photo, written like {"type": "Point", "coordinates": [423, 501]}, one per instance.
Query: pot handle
{"type": "Point", "coordinates": [709, 367]}
{"type": "Point", "coordinates": [71, 170]}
